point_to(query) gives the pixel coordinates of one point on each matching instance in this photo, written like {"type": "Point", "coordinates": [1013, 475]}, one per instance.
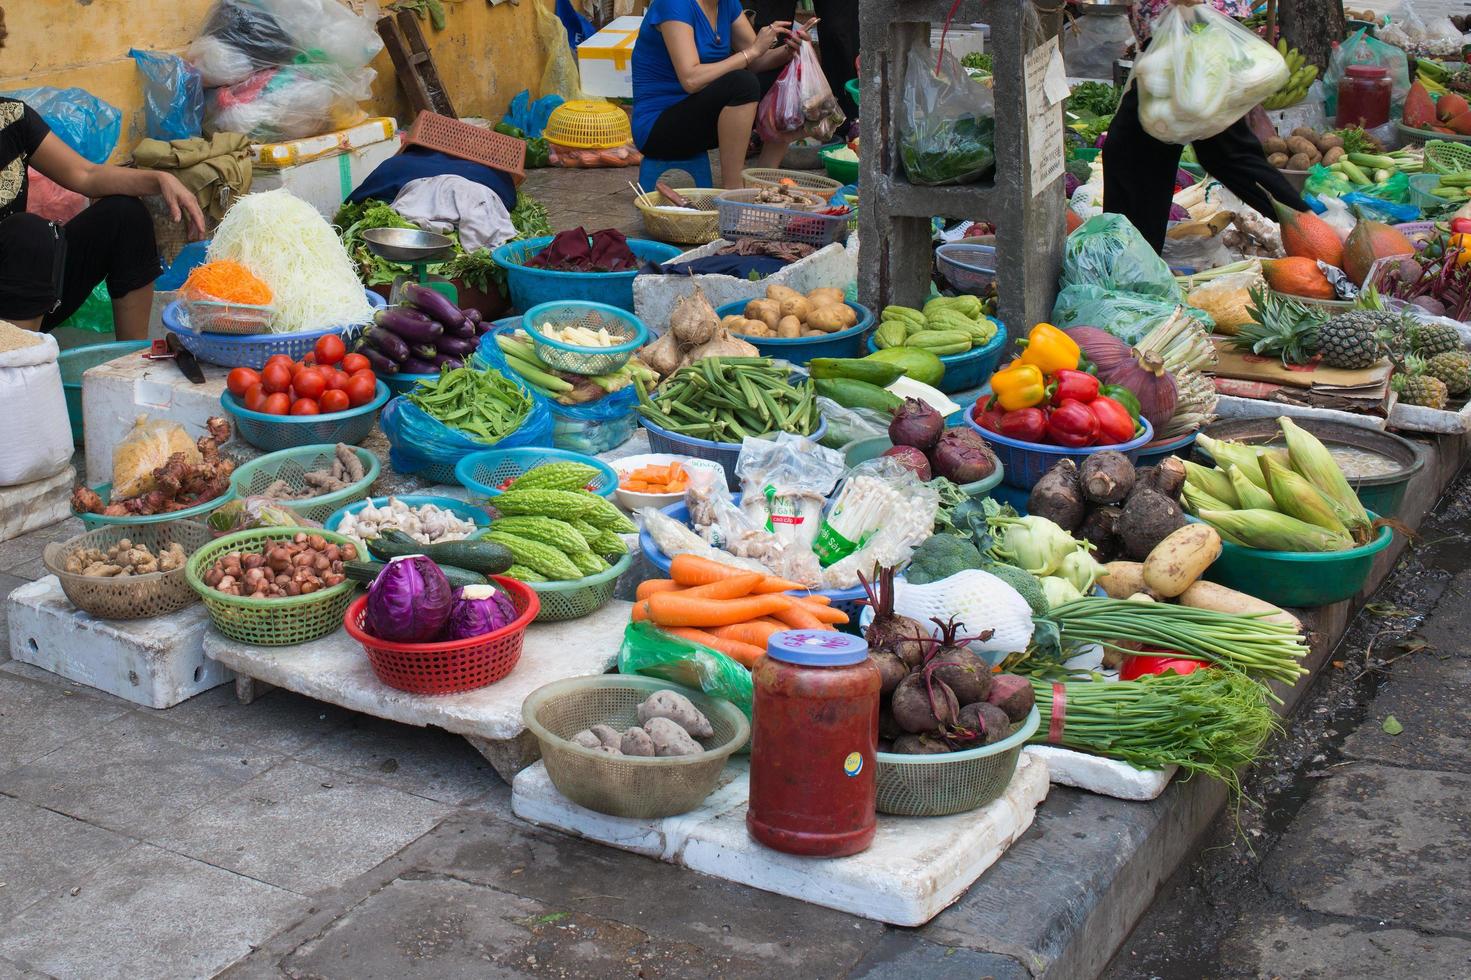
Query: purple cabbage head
{"type": "Point", "coordinates": [409, 601]}
{"type": "Point", "coordinates": [479, 609]}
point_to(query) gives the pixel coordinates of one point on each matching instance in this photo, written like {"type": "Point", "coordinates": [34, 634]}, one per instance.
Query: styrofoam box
{"type": "Point", "coordinates": [605, 60]}
{"type": "Point", "coordinates": [326, 168]}
{"type": "Point", "coordinates": [114, 394]}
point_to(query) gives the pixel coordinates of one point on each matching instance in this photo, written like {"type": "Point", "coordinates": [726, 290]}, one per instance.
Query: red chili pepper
{"type": "Point", "coordinates": [1074, 384]}
{"type": "Point", "coordinates": [1072, 425]}
{"type": "Point", "coordinates": [989, 417]}
{"type": "Point", "coordinates": [1115, 424]}
{"type": "Point", "coordinates": [1026, 424]}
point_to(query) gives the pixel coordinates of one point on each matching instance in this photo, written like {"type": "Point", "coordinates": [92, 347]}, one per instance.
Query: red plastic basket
{"type": "Point", "coordinates": [461, 139]}
{"type": "Point", "coordinates": [453, 667]}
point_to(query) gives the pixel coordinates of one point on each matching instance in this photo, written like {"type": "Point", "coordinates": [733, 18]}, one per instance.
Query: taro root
{"type": "Point", "coordinates": [1107, 477]}
{"type": "Point", "coordinates": [1058, 497]}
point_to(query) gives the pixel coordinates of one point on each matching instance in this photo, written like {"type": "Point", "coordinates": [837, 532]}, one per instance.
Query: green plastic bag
{"type": "Point", "coordinates": [95, 313]}
{"type": "Point", "coordinates": [1108, 251]}
{"type": "Point", "coordinates": [1128, 316]}
{"type": "Point", "coordinates": [650, 651]}
{"type": "Point", "coordinates": [1323, 182]}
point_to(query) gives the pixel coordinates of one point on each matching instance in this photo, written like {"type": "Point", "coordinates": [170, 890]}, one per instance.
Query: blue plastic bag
{"type": "Point", "coordinates": [1378, 209]}
{"type": "Point", "coordinates": [418, 441]}
{"type": "Point", "coordinates": [82, 121]}
{"type": "Point", "coordinates": [173, 95]}
{"type": "Point", "coordinates": [531, 117]}
{"type": "Point", "coordinates": [595, 427]}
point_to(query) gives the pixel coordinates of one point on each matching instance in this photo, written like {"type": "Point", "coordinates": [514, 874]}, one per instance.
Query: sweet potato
{"type": "Point", "coordinates": [669, 739]}
{"type": "Point", "coordinates": [636, 741]}
{"type": "Point", "coordinates": [1182, 557]}
{"type": "Point", "coordinates": [1058, 497]}
{"type": "Point", "coordinates": [678, 709]}
{"type": "Point", "coordinates": [1209, 595]}
{"type": "Point", "coordinates": [607, 735]}
{"type": "Point", "coordinates": [1013, 695]}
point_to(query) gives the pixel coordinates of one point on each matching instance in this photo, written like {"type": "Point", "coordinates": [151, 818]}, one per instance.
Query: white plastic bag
{"type": "Point", "coordinates": [38, 436]}
{"type": "Point", "coordinates": [290, 102]}
{"type": "Point", "coordinates": [800, 103]}
{"type": "Point", "coordinates": [242, 37]}
{"type": "Point", "coordinates": [1201, 73]}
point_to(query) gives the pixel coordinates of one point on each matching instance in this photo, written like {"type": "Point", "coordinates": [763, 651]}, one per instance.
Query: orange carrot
{"type": "Point", "coordinates": [799, 616]}
{"type": "Point", "coordinates": [756, 632]}
{"type": "Point", "coordinates": [640, 611]}
{"type": "Point", "coordinates": [677, 609]}
{"type": "Point", "coordinates": [730, 588]}
{"type": "Point", "coordinates": [742, 653]}
{"type": "Point", "coordinates": [815, 597]}
{"type": "Point", "coordinates": [648, 587]}
{"type": "Point", "coordinates": [825, 614]}
{"type": "Point", "coordinates": [690, 570]}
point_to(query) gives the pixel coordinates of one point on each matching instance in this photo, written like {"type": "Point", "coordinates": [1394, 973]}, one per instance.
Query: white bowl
{"type": "Point", "coordinates": [631, 500]}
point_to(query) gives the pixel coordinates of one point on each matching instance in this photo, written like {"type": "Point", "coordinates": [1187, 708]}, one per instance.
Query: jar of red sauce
{"type": "Point", "coordinates": [814, 736]}
{"type": "Point", "coordinates": [1363, 96]}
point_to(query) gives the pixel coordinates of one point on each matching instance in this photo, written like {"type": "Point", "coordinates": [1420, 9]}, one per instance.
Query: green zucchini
{"type": "Point", "coordinates": [485, 557]}
{"type": "Point", "coordinates": [366, 571]}
{"type": "Point", "coordinates": [855, 369]}
{"type": "Point", "coordinates": [856, 394]}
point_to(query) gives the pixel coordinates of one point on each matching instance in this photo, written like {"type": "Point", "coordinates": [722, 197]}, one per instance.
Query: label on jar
{"type": "Point", "coordinates": [853, 764]}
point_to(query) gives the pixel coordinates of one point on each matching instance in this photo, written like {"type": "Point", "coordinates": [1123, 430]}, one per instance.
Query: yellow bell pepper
{"type": "Point", "coordinates": [1462, 241]}
{"type": "Point", "coordinates": [1050, 350]}
{"type": "Point", "coordinates": [1019, 385]}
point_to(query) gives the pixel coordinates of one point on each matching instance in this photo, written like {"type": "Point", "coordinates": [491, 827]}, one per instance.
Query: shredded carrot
{"type": "Point", "coordinates": [742, 653]}
{"type": "Point", "coordinates": [226, 281]}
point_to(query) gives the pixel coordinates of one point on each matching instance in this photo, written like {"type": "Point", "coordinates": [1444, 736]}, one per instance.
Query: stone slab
{"type": "Point", "coordinates": [40, 503]}
{"type": "Point", "coordinates": [1299, 946]}
{"type": "Point", "coordinates": [1107, 777]}
{"type": "Point", "coordinates": [156, 662]}
{"type": "Point", "coordinates": [893, 881]}
{"type": "Point", "coordinates": [335, 669]}
{"type": "Point", "coordinates": [41, 849]}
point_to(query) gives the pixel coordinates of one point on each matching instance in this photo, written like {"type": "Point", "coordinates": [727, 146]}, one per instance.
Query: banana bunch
{"type": "Point", "coordinates": [1300, 76]}
{"type": "Point", "coordinates": [946, 325]}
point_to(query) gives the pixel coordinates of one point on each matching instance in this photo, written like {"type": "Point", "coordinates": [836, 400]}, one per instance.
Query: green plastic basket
{"type": "Point", "coordinates": [76, 362]}
{"type": "Point", "coordinates": [292, 465]}
{"type": "Point", "coordinates": [950, 782]}
{"type": "Point", "coordinates": [198, 512]}
{"type": "Point", "coordinates": [270, 622]}
{"type": "Point", "coordinates": [862, 450]}
{"type": "Point", "coordinates": [561, 601]}
{"type": "Point", "coordinates": [852, 86]}
{"type": "Point", "coordinates": [1300, 579]}
{"type": "Point", "coordinates": [1445, 157]}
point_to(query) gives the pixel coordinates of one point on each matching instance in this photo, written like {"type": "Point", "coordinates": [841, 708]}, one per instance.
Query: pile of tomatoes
{"type": "Point", "coordinates": [327, 380]}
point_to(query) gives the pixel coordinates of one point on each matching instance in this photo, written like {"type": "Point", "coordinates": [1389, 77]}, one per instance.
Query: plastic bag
{"type": "Point", "coordinates": [290, 102]}
{"type": "Point", "coordinates": [800, 103]}
{"type": "Point", "coordinates": [650, 651]}
{"type": "Point", "coordinates": [674, 538]}
{"type": "Point", "coordinates": [1201, 72]}
{"type": "Point", "coordinates": [715, 517]}
{"type": "Point", "coordinates": [38, 441]}
{"type": "Point", "coordinates": [1226, 299]}
{"type": "Point", "coordinates": [880, 515]}
{"type": "Point", "coordinates": [560, 77]}
{"type": "Point", "coordinates": [1091, 44]}
{"type": "Point", "coordinates": [531, 117]}
{"type": "Point", "coordinates": [1377, 208]}
{"type": "Point", "coordinates": [242, 37]}
{"type": "Point", "coordinates": [947, 122]}
{"type": "Point", "coordinates": [95, 313]}
{"type": "Point", "coordinates": [418, 441]}
{"type": "Point", "coordinates": [785, 482]}
{"type": "Point", "coordinates": [1128, 316]}
{"type": "Point", "coordinates": [845, 425]}
{"type": "Point", "coordinates": [1361, 49]}
{"type": "Point", "coordinates": [173, 95]}
{"type": "Point", "coordinates": [50, 200]}
{"type": "Point", "coordinates": [147, 446]}
{"type": "Point", "coordinates": [595, 427]}
{"type": "Point", "coordinates": [1108, 251]}
{"type": "Point", "coordinates": [780, 111]}
{"type": "Point", "coordinates": [82, 121]}
{"type": "Point", "coordinates": [248, 513]}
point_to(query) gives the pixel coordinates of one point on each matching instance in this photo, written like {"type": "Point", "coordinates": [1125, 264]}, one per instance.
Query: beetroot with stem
{"type": "Point", "coordinates": [962, 456]}
{"type": "Point", "coordinates": [965, 673]}
{"type": "Point", "coordinates": [1013, 695]}
{"type": "Point", "coordinates": [916, 424]}
{"type": "Point", "coordinates": [913, 458]}
{"type": "Point", "coordinates": [908, 638]}
{"type": "Point", "coordinates": [979, 724]}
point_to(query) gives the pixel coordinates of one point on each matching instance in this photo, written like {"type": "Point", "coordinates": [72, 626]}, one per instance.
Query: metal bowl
{"type": "Point", "coordinates": [408, 244]}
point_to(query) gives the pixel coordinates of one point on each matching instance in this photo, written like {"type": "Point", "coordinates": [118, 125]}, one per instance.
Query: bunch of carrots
{"type": "Point", "coordinates": [728, 609]}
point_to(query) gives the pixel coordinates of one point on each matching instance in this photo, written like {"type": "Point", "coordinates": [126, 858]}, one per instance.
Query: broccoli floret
{"type": "Point", "coordinates": [941, 557]}
{"type": "Point", "coordinates": [1025, 583]}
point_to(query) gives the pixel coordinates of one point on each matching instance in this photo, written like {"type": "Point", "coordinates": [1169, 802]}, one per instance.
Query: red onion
{"type": "Point", "coordinates": [1142, 373]}
{"type": "Point", "coordinates": [912, 458]}
{"type": "Point", "coordinates": [916, 424]}
{"type": "Point", "coordinates": [962, 456]}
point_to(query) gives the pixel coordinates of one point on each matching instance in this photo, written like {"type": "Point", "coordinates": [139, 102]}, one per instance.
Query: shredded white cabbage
{"type": "Point", "coordinates": [288, 245]}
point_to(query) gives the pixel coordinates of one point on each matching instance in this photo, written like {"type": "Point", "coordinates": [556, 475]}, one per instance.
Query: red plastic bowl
{"type": "Point", "coordinates": [451, 667]}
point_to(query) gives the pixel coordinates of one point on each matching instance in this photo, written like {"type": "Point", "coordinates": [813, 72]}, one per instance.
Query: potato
{"type": "Point", "coordinates": [1305, 133]}
{"type": "Point", "coordinates": [1181, 558]}
{"type": "Point", "coordinates": [766, 310]}
{"type": "Point", "coordinates": [1122, 579]}
{"type": "Point", "coordinates": [1298, 144]}
{"type": "Point", "coordinates": [1275, 145]}
{"type": "Point", "coordinates": [1299, 161]}
{"type": "Point", "coordinates": [1333, 154]}
{"type": "Point", "coordinates": [1278, 160]}
{"type": "Point", "coordinates": [789, 326]}
{"type": "Point", "coordinates": [1328, 141]}
{"type": "Point", "coordinates": [1209, 595]}
{"type": "Point", "coordinates": [809, 332]}
{"type": "Point", "coordinates": [732, 323]}
{"type": "Point", "coordinates": [826, 296]}
{"type": "Point", "coordinates": [799, 306]}
{"type": "Point", "coordinates": [782, 293]}
{"type": "Point", "coordinates": [830, 319]}
{"type": "Point", "coordinates": [754, 328]}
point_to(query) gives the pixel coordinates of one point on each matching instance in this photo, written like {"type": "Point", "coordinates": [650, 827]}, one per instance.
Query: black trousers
{"type": "Point", "coordinates": [49, 270]}
{"type": "Point", "coordinates": [691, 125]}
{"type": "Point", "coordinates": [837, 33]}
{"type": "Point", "coordinates": [1139, 171]}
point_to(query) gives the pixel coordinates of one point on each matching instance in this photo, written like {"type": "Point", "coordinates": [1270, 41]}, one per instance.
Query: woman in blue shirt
{"type": "Point", "coordinates": [696, 84]}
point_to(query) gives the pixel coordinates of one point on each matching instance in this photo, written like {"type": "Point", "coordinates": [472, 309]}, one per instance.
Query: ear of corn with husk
{"type": "Point", "coordinates": [1312, 459]}
{"type": "Point", "coordinates": [1296, 497]}
{"type": "Point", "coordinates": [1197, 500]}
{"type": "Point", "coordinates": [1269, 530]}
{"type": "Point", "coordinates": [1251, 496]}
{"type": "Point", "coordinates": [1211, 482]}
{"type": "Point", "coordinates": [1225, 452]}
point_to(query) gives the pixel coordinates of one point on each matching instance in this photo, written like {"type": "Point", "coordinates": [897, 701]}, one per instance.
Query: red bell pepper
{"type": "Point", "coordinates": [1074, 384]}
{"type": "Point", "coordinates": [1460, 226]}
{"type": "Point", "coordinates": [1157, 660]}
{"type": "Point", "coordinates": [1071, 424]}
{"type": "Point", "coordinates": [1115, 424]}
{"type": "Point", "coordinates": [989, 417]}
{"type": "Point", "coordinates": [1025, 424]}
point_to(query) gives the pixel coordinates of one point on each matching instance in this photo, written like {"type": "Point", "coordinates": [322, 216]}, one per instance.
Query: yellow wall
{"type": "Point", "coordinates": [485, 55]}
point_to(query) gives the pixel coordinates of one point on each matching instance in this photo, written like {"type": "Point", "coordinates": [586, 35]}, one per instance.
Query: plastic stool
{"type": "Point", "coordinates": [698, 167]}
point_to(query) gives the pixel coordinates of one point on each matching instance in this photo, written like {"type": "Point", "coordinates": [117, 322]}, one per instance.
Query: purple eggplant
{"type": "Point", "coordinates": [414, 365]}
{"type": "Point", "coordinates": [424, 352]}
{"type": "Point", "coordinates": [380, 361]}
{"type": "Point", "coordinates": [472, 314]}
{"type": "Point", "coordinates": [484, 327]}
{"type": "Point", "coordinates": [387, 342]}
{"type": "Point", "coordinates": [429, 301]}
{"type": "Point", "coordinates": [464, 329]}
{"type": "Point", "coordinates": [448, 360]}
{"type": "Point", "coordinates": [457, 346]}
{"type": "Point", "coordinates": [411, 325]}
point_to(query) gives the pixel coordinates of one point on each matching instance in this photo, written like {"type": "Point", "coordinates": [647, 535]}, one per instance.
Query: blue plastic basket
{"type": "Point", "coordinates": [800, 350]}
{"type": "Point", "coordinates": [463, 510]}
{"type": "Point", "coordinates": [724, 453]}
{"type": "Point", "coordinates": [482, 473]}
{"type": "Point", "coordinates": [402, 384]}
{"type": "Point", "coordinates": [971, 369]}
{"type": "Point", "coordinates": [75, 362]}
{"type": "Point", "coordinates": [252, 350]}
{"type": "Point", "coordinates": [1028, 462]}
{"type": "Point", "coordinates": [532, 287]}
{"type": "Point", "coordinates": [850, 601]}
{"type": "Point", "coordinates": [1152, 454]}
{"type": "Point", "coordinates": [575, 359]}
{"type": "Point", "coordinates": [273, 432]}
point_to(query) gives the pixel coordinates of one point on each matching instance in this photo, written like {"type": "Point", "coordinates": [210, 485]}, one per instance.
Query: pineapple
{"type": "Point", "coordinates": [1415, 387]}
{"type": "Point", "coordinates": [1429, 339]}
{"type": "Point", "coordinates": [1452, 367]}
{"type": "Point", "coordinates": [1279, 326]}
{"type": "Point", "coordinates": [1355, 339]}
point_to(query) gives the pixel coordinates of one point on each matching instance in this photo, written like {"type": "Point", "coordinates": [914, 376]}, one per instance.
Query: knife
{"type": "Point", "coordinates": [187, 364]}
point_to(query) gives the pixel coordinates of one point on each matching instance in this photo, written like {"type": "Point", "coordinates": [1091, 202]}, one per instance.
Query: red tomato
{"type": "Point", "coordinates": [309, 383]}
{"type": "Point", "coordinates": [240, 379]}
{"type": "Point", "coordinates": [366, 372]}
{"type": "Point", "coordinates": [330, 349]}
{"type": "Point", "coordinates": [276, 378]}
{"type": "Point", "coordinates": [255, 397]}
{"type": "Point", "coordinates": [277, 403]}
{"type": "Point", "coordinates": [353, 363]}
{"type": "Point", "coordinates": [336, 380]}
{"type": "Point", "coordinates": [361, 388]}
{"type": "Point", "coordinates": [278, 359]}
{"type": "Point", "coordinates": [297, 367]}
{"type": "Point", "coordinates": [305, 406]}
{"type": "Point", "coordinates": [335, 400]}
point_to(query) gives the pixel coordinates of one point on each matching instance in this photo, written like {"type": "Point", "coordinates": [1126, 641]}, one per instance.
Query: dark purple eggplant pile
{"type": "Point", "coordinates": [425, 333]}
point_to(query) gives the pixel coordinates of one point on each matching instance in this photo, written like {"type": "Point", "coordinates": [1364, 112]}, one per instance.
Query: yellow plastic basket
{"type": "Point", "coordinates": [584, 124]}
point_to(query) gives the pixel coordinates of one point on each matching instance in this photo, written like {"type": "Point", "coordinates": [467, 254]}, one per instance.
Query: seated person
{"type": "Point", "coordinates": [47, 270]}
{"type": "Point", "coordinates": [699, 70]}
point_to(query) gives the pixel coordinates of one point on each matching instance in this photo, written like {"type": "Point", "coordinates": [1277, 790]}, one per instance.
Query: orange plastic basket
{"type": "Point", "coordinates": [452, 667]}
{"type": "Point", "coordinates": [460, 139]}
{"type": "Point", "coordinates": [584, 124]}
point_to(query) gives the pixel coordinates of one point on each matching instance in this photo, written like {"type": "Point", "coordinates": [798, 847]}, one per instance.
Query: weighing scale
{"type": "Point", "coordinates": [416, 248]}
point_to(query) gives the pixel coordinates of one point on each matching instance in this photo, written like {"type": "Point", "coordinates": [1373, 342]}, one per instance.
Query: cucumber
{"type": "Point", "coordinates": [485, 557]}
{"type": "Point", "coordinates": [855, 369]}
{"type": "Point", "coordinates": [856, 394]}
{"type": "Point", "coordinates": [366, 571]}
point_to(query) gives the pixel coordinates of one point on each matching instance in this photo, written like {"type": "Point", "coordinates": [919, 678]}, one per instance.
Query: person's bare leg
{"type": "Point", "coordinates": [130, 313]}
{"type": "Point", "coordinates": [34, 323]}
{"type": "Point", "coordinates": [771, 153]}
{"type": "Point", "coordinates": [734, 131]}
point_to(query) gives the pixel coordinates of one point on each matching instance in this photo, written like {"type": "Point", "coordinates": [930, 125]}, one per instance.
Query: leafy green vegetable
{"type": "Point", "coordinates": [1097, 98]}
{"type": "Point", "coordinates": [950, 151]}
{"type": "Point", "coordinates": [1355, 140]}
{"type": "Point", "coordinates": [538, 153]}
{"type": "Point", "coordinates": [530, 217]}
{"type": "Point", "coordinates": [976, 60]}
